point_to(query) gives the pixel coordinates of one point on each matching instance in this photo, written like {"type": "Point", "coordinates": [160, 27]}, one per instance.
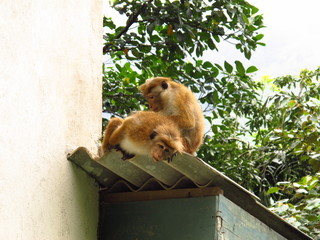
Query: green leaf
{"type": "Point", "coordinates": [136, 53]}
{"type": "Point", "coordinates": [254, 9]}
{"type": "Point", "coordinates": [207, 65]}
{"type": "Point", "coordinates": [119, 67]}
{"type": "Point", "coordinates": [251, 69]}
{"type": "Point", "coordinates": [127, 66]}
{"type": "Point", "coordinates": [150, 28]}
{"type": "Point", "coordinates": [215, 71]}
{"type": "Point", "coordinates": [188, 68]}
{"type": "Point", "coordinates": [247, 53]}
{"type": "Point", "coordinates": [245, 19]}
{"type": "Point", "coordinates": [211, 45]}
{"type": "Point", "coordinates": [217, 38]}
{"type": "Point", "coordinates": [261, 44]}
{"type": "Point", "coordinates": [218, 66]}
{"type": "Point", "coordinates": [273, 190]}
{"type": "Point", "coordinates": [230, 87]}
{"type": "Point", "coordinates": [312, 218]}
{"type": "Point", "coordinates": [145, 49]}
{"type": "Point", "coordinates": [107, 22]}
{"type": "Point", "coordinates": [258, 37]}
{"type": "Point", "coordinates": [215, 96]}
{"type": "Point", "coordinates": [228, 67]}
{"type": "Point", "coordinates": [240, 68]}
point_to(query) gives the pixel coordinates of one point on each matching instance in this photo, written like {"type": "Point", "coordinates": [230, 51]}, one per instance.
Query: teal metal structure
{"type": "Point", "coordinates": [185, 199]}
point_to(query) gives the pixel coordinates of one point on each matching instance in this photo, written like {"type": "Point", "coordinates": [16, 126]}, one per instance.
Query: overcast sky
{"type": "Point", "coordinates": [292, 35]}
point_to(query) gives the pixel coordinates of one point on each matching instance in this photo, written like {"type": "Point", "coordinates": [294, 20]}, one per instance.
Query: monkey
{"type": "Point", "coordinates": [143, 133]}
{"type": "Point", "coordinates": [176, 101]}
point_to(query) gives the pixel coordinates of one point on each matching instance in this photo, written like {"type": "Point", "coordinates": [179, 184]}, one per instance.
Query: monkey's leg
{"type": "Point", "coordinates": [114, 124]}
{"type": "Point", "coordinates": [184, 120]}
{"type": "Point", "coordinates": [116, 138]}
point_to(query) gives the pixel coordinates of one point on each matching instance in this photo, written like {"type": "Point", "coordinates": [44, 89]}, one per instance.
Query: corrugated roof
{"type": "Point", "coordinates": [184, 171]}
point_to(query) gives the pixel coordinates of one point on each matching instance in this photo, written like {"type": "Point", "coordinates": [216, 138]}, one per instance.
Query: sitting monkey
{"type": "Point", "coordinates": [177, 102]}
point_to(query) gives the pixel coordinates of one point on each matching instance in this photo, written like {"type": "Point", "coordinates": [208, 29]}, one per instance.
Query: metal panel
{"type": "Point", "coordinates": [124, 169]}
{"type": "Point", "coordinates": [158, 170]}
{"type": "Point", "coordinates": [192, 167]}
{"type": "Point", "coordinates": [170, 219]}
{"type": "Point", "coordinates": [84, 160]}
{"type": "Point", "coordinates": [235, 223]}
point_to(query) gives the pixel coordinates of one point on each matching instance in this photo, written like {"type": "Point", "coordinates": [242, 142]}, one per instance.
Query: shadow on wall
{"type": "Point", "coordinates": [85, 193]}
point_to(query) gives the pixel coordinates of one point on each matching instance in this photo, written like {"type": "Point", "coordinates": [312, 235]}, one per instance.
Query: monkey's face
{"type": "Point", "coordinates": [165, 143]}
{"type": "Point", "coordinates": [162, 152]}
{"type": "Point", "coordinates": [152, 90]}
{"type": "Point", "coordinates": [154, 102]}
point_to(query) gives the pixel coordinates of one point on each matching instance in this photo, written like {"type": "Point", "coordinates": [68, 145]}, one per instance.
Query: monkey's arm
{"type": "Point", "coordinates": [185, 112]}
{"type": "Point", "coordinates": [184, 120]}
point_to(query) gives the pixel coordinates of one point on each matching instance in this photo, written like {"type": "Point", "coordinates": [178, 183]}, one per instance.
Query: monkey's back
{"type": "Point", "coordinates": [186, 105]}
{"type": "Point", "coordinates": [141, 124]}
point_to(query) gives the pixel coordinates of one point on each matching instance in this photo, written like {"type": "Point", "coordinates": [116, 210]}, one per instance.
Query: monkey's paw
{"type": "Point", "coordinates": [126, 156]}
{"type": "Point", "coordinates": [171, 157]}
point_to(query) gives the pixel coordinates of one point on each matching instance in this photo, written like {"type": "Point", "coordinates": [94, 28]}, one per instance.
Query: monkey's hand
{"type": "Point", "coordinates": [171, 157]}
{"type": "Point", "coordinates": [125, 155]}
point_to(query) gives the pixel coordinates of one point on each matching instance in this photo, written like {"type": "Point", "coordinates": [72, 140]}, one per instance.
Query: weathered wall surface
{"type": "Point", "coordinates": [50, 103]}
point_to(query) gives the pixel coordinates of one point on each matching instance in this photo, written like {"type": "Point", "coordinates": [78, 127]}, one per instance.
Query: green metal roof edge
{"type": "Point", "coordinates": [139, 171]}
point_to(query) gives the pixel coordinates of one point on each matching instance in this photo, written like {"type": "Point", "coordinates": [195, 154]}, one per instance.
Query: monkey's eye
{"type": "Point", "coordinates": [153, 135]}
{"type": "Point", "coordinates": [160, 146]}
{"type": "Point", "coordinates": [151, 97]}
{"type": "Point", "coordinates": [164, 85]}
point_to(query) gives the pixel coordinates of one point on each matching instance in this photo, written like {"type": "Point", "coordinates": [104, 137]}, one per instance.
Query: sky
{"type": "Point", "coordinates": [292, 38]}
{"type": "Point", "coordinates": [291, 35]}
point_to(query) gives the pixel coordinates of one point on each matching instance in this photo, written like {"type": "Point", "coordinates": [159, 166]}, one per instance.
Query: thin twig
{"type": "Point", "coordinates": [132, 19]}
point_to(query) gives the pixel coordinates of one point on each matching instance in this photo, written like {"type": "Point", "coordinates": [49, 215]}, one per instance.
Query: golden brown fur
{"type": "Point", "coordinates": [176, 101]}
{"type": "Point", "coordinates": [144, 133]}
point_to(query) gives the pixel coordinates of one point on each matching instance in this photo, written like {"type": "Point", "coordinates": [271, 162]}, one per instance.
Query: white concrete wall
{"type": "Point", "coordinates": [50, 102]}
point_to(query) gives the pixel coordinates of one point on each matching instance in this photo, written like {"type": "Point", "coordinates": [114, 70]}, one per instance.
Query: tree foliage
{"type": "Point", "coordinates": [284, 131]}
{"type": "Point", "coordinates": [169, 38]}
{"type": "Point", "coordinates": [261, 132]}
{"type": "Point", "coordinates": [281, 161]}
{"type": "Point", "coordinates": [299, 203]}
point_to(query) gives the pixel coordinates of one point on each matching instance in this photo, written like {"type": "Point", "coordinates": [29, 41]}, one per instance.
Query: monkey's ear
{"type": "Point", "coordinates": [164, 85]}
{"type": "Point", "coordinates": [142, 88]}
{"type": "Point", "coordinates": [153, 135]}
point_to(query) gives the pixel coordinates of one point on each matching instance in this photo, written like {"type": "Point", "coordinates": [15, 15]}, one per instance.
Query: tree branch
{"type": "Point", "coordinates": [132, 19]}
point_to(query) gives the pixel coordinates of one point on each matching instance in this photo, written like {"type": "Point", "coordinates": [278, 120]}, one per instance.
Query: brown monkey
{"type": "Point", "coordinates": [177, 102]}
{"type": "Point", "coordinates": [143, 133]}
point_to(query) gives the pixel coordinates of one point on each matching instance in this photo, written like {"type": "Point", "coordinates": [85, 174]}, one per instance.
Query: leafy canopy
{"type": "Point", "coordinates": [283, 133]}
{"type": "Point", "coordinates": [299, 203]}
{"type": "Point", "coordinates": [281, 163]}
{"type": "Point", "coordinates": [170, 38]}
